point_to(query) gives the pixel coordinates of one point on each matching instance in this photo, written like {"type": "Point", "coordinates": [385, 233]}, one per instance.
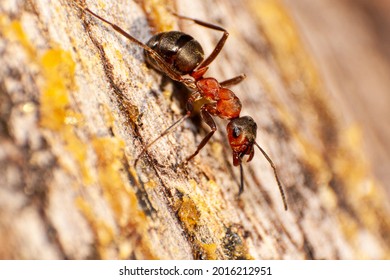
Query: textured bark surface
{"type": "Point", "coordinates": [78, 104]}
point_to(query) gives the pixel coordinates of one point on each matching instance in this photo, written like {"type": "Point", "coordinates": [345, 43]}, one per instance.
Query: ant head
{"type": "Point", "coordinates": [242, 136]}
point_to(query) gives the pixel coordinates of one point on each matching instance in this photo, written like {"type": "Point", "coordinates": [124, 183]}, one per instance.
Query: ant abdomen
{"type": "Point", "coordinates": [181, 51]}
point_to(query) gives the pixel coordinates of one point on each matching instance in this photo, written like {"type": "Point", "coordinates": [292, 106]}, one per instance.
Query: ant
{"type": "Point", "coordinates": [181, 58]}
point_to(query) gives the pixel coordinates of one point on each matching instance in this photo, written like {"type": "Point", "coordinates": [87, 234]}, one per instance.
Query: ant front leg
{"type": "Point", "coordinates": [219, 45]}
{"type": "Point", "coordinates": [233, 81]}
{"type": "Point", "coordinates": [206, 113]}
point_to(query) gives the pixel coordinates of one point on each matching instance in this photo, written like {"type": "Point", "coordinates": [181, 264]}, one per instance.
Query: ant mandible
{"type": "Point", "coordinates": [177, 54]}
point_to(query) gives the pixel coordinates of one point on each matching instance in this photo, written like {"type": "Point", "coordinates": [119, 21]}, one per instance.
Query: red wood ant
{"type": "Point", "coordinates": [177, 54]}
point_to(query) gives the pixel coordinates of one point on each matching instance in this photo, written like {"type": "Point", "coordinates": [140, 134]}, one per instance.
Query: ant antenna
{"type": "Point", "coordinates": [241, 189]}
{"type": "Point", "coordinates": [276, 176]}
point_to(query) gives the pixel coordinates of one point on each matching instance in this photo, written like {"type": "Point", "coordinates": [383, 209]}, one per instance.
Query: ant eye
{"type": "Point", "coordinates": [236, 132]}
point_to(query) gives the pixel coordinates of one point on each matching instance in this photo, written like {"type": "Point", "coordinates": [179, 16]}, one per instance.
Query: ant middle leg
{"type": "Point", "coordinates": [220, 43]}
{"type": "Point", "coordinates": [233, 81]}
{"type": "Point", "coordinates": [206, 112]}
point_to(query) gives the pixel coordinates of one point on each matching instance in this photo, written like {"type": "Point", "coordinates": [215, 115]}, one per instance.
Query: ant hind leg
{"type": "Point", "coordinates": [190, 108]}
{"type": "Point", "coordinates": [167, 69]}
{"type": "Point", "coordinates": [220, 43]}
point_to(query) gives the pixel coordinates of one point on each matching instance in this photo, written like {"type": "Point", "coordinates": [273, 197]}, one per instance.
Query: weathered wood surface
{"type": "Point", "coordinates": [78, 104]}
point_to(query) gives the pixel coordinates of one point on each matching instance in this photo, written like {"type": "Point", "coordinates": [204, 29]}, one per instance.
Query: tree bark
{"type": "Point", "coordinates": [78, 105]}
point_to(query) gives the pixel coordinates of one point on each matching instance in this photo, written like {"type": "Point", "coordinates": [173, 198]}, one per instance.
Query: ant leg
{"type": "Point", "coordinates": [233, 81]}
{"type": "Point", "coordinates": [220, 43]}
{"type": "Point", "coordinates": [207, 118]}
{"type": "Point", "coordinates": [164, 65]}
{"type": "Point", "coordinates": [190, 102]}
{"type": "Point", "coordinates": [165, 132]}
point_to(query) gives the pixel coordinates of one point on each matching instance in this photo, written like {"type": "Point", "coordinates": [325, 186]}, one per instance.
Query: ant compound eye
{"type": "Point", "coordinates": [236, 132]}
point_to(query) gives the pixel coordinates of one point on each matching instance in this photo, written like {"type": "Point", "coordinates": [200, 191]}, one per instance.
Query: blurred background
{"type": "Point", "coordinates": [351, 42]}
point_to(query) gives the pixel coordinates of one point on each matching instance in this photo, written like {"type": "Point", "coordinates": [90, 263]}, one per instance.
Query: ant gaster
{"type": "Point", "coordinates": [181, 58]}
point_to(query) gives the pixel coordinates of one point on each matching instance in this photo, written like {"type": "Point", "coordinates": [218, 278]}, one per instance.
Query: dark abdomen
{"type": "Point", "coordinates": [181, 51]}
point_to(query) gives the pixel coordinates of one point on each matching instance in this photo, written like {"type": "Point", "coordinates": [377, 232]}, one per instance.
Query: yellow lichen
{"type": "Point", "coordinates": [210, 250]}
{"type": "Point", "coordinates": [104, 234]}
{"type": "Point", "coordinates": [13, 30]}
{"type": "Point", "coordinates": [58, 70]}
{"type": "Point", "coordinates": [122, 200]}
{"type": "Point", "coordinates": [196, 211]}
{"type": "Point", "coordinates": [188, 214]}
{"type": "Point", "coordinates": [159, 14]}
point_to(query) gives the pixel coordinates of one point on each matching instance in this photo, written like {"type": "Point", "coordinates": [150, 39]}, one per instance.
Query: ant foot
{"type": "Point", "coordinates": [182, 165]}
